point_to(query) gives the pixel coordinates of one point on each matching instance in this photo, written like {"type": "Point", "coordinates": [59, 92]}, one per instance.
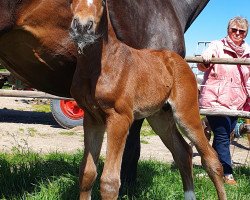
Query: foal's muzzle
{"type": "Point", "coordinates": [82, 27]}
{"type": "Point", "coordinates": [83, 34]}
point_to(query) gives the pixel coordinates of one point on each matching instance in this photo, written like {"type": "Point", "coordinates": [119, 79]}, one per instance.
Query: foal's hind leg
{"type": "Point", "coordinates": [190, 125]}
{"type": "Point", "coordinates": [93, 138]}
{"type": "Point", "coordinates": [164, 125]}
{"type": "Point", "coordinates": [184, 103]}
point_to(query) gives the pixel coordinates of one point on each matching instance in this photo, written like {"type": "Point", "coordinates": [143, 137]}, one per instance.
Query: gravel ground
{"type": "Point", "coordinates": [22, 128]}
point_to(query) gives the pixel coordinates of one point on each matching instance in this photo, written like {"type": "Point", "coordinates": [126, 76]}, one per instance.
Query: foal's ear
{"type": "Point", "coordinates": [103, 2]}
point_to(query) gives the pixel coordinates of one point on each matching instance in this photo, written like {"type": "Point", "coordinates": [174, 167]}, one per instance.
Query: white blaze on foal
{"type": "Point", "coordinates": [90, 2]}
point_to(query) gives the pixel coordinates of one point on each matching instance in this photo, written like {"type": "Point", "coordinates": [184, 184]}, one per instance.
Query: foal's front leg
{"type": "Point", "coordinates": [117, 129]}
{"type": "Point", "coordinates": [93, 138]}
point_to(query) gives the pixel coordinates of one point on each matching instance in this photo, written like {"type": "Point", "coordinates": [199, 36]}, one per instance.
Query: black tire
{"type": "Point", "coordinates": [61, 118]}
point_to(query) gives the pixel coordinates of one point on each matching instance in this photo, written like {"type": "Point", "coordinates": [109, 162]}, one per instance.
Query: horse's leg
{"type": "Point", "coordinates": [186, 114]}
{"type": "Point", "coordinates": [164, 125]}
{"type": "Point", "coordinates": [117, 130]}
{"type": "Point", "coordinates": [131, 154]}
{"type": "Point", "coordinates": [93, 138]}
{"type": "Point", "coordinates": [190, 125]}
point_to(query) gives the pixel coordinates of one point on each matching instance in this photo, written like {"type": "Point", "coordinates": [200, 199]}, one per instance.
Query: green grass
{"type": "Point", "coordinates": [42, 108]}
{"type": "Point", "coordinates": [2, 69]}
{"type": "Point", "coordinates": [55, 176]}
{"type": "Point", "coordinates": [146, 129]}
{"type": "Point", "coordinates": [67, 133]}
{"type": "Point", "coordinates": [6, 86]}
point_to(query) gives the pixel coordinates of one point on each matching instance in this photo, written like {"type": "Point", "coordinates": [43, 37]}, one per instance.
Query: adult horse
{"type": "Point", "coordinates": [163, 28]}
{"type": "Point", "coordinates": [35, 45]}
{"type": "Point", "coordinates": [113, 82]}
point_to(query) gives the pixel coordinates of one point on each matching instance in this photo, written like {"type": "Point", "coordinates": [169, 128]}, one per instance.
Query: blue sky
{"type": "Point", "coordinates": [211, 24]}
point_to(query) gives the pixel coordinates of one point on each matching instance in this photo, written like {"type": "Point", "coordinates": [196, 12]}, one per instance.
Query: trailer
{"type": "Point", "coordinates": [64, 110]}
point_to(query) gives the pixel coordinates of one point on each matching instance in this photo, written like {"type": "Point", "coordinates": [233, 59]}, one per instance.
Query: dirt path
{"type": "Point", "coordinates": [22, 128]}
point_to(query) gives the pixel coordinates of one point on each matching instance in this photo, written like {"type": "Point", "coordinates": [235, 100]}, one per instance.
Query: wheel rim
{"type": "Point", "coordinates": [71, 109]}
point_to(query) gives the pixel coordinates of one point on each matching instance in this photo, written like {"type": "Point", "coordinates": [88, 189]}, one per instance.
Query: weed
{"type": "Point", "coordinates": [42, 108]}
{"type": "Point", "coordinates": [69, 133]}
{"type": "Point", "coordinates": [143, 141]}
{"type": "Point", "coordinates": [19, 145]}
{"type": "Point", "coordinates": [32, 132]}
{"type": "Point", "coordinates": [21, 130]}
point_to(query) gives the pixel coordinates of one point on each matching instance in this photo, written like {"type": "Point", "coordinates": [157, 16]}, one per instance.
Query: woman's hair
{"type": "Point", "coordinates": [239, 21]}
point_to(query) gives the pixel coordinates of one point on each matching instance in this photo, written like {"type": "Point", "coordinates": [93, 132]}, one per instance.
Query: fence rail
{"type": "Point", "coordinates": [229, 61]}
{"type": "Point", "coordinates": [221, 112]}
{"type": "Point", "coordinates": [29, 94]}
{"type": "Point", "coordinates": [196, 59]}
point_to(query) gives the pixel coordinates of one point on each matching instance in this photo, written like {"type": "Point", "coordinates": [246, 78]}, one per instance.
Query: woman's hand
{"type": "Point", "coordinates": [202, 67]}
{"type": "Point", "coordinates": [207, 56]}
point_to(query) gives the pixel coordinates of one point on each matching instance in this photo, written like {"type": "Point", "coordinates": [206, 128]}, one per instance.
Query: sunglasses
{"type": "Point", "coordinates": [235, 30]}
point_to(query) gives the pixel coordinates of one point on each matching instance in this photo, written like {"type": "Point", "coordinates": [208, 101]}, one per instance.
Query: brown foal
{"type": "Point", "coordinates": [119, 84]}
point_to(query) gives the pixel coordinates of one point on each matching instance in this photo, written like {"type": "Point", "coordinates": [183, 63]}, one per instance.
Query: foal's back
{"type": "Point", "coordinates": [147, 75]}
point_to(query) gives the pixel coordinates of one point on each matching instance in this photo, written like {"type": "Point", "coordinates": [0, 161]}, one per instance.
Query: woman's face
{"type": "Point", "coordinates": [237, 33]}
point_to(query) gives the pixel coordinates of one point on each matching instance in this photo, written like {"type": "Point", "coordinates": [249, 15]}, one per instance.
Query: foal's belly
{"type": "Point", "coordinates": [143, 109]}
{"type": "Point", "coordinates": [139, 114]}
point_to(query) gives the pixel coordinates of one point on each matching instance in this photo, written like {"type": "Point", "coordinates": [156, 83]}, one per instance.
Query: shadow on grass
{"type": "Point", "coordinates": [21, 175]}
{"type": "Point", "coordinates": [146, 172]}
{"type": "Point", "coordinates": [235, 143]}
{"type": "Point", "coordinates": [24, 174]}
{"type": "Point", "coordinates": [27, 117]}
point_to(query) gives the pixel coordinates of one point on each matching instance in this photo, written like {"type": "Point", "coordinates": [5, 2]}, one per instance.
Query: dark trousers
{"type": "Point", "coordinates": [222, 126]}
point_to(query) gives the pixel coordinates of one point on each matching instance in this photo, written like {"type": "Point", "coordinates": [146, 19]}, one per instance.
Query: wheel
{"type": "Point", "coordinates": [67, 113]}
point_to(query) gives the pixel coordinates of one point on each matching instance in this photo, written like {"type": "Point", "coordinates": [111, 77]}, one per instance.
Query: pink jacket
{"type": "Point", "coordinates": [223, 83]}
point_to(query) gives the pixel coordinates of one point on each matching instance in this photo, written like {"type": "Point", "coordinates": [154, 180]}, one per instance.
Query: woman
{"type": "Point", "coordinates": [223, 88]}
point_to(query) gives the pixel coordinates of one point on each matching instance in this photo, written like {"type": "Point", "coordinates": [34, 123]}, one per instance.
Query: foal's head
{"type": "Point", "coordinates": [86, 21]}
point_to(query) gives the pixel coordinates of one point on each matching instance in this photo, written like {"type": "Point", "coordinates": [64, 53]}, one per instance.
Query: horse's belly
{"type": "Point", "coordinates": [45, 72]}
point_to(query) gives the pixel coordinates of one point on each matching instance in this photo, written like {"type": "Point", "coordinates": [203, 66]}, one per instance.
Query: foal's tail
{"type": "Point", "coordinates": [184, 102]}
{"type": "Point", "coordinates": [184, 97]}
